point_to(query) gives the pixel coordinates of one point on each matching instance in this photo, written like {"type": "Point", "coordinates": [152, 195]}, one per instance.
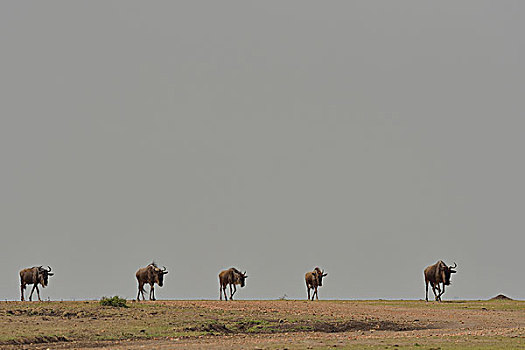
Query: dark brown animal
{"type": "Point", "coordinates": [230, 277]}
{"type": "Point", "coordinates": [436, 274]}
{"type": "Point", "coordinates": [313, 280]}
{"type": "Point", "coordinates": [150, 274]}
{"type": "Point", "coordinates": [34, 275]}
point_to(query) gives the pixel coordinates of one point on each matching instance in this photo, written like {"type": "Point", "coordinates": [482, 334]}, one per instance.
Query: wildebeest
{"type": "Point", "coordinates": [34, 275]}
{"type": "Point", "coordinates": [436, 274]}
{"type": "Point", "coordinates": [150, 274]}
{"type": "Point", "coordinates": [313, 280]}
{"type": "Point", "coordinates": [231, 277]}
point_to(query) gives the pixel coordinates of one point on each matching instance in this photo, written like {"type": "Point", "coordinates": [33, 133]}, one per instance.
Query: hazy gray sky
{"type": "Point", "coordinates": [368, 138]}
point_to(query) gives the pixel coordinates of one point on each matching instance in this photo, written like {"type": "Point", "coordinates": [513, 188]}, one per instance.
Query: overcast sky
{"type": "Point", "coordinates": [368, 138]}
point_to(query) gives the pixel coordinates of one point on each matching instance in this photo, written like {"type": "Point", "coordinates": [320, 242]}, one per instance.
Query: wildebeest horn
{"type": "Point", "coordinates": [453, 267]}
{"type": "Point", "coordinates": [49, 268]}
{"type": "Point", "coordinates": [164, 270]}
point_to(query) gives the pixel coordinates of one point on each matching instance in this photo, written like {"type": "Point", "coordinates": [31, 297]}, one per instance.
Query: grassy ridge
{"type": "Point", "coordinates": [39, 322]}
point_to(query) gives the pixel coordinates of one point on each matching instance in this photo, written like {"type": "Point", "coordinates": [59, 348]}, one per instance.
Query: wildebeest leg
{"type": "Point", "coordinates": [32, 290]}
{"type": "Point", "coordinates": [234, 290]}
{"type": "Point", "coordinates": [38, 293]}
{"type": "Point", "coordinates": [316, 294]}
{"type": "Point", "coordinates": [441, 292]}
{"type": "Point", "coordinates": [434, 290]}
{"type": "Point", "coordinates": [426, 290]}
{"type": "Point", "coordinates": [138, 294]}
{"type": "Point", "coordinates": [141, 292]}
{"type": "Point", "coordinates": [308, 291]}
{"type": "Point", "coordinates": [224, 292]}
{"type": "Point", "coordinates": [152, 292]}
{"type": "Point", "coordinates": [231, 293]}
{"type": "Point", "coordinates": [22, 289]}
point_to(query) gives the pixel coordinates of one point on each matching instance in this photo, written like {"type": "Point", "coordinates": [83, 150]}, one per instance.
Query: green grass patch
{"type": "Point", "coordinates": [116, 301]}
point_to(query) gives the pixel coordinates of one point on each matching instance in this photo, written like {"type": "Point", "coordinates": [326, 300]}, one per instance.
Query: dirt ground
{"type": "Point", "coordinates": [282, 324]}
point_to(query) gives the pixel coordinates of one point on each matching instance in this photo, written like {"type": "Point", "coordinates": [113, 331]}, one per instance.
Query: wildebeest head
{"type": "Point", "coordinates": [158, 274]}
{"type": "Point", "coordinates": [241, 277]}
{"type": "Point", "coordinates": [446, 271]}
{"type": "Point", "coordinates": [319, 274]}
{"type": "Point", "coordinates": [43, 275]}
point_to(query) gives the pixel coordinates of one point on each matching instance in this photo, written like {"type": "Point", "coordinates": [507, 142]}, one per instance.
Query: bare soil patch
{"type": "Point", "coordinates": [280, 326]}
{"type": "Point", "coordinates": [36, 340]}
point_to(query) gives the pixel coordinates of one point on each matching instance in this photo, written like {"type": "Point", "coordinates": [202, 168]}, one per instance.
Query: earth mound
{"type": "Point", "coordinates": [501, 297]}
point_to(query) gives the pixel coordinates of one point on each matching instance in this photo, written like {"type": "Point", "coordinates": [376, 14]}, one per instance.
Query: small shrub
{"type": "Point", "coordinates": [116, 301]}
